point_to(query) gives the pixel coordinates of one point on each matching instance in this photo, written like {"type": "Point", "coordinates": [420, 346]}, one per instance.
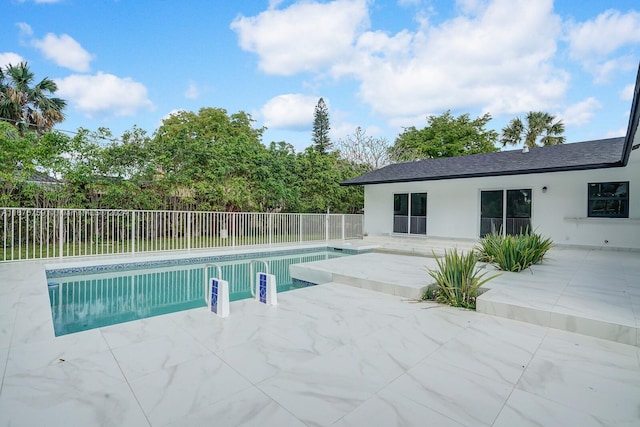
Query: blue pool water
{"type": "Point", "coordinates": [92, 297]}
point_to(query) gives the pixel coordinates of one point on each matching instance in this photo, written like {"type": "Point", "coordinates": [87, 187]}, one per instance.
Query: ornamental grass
{"type": "Point", "coordinates": [513, 252]}
{"type": "Point", "coordinates": [457, 278]}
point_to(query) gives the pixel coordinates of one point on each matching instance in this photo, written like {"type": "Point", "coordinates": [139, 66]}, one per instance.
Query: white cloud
{"type": "Point", "coordinates": [274, 3]}
{"type": "Point", "coordinates": [487, 60]}
{"type": "Point", "coordinates": [104, 95]}
{"type": "Point", "coordinates": [580, 113]}
{"type": "Point", "coordinates": [64, 51]}
{"type": "Point", "coordinates": [626, 94]}
{"type": "Point", "coordinates": [616, 133]}
{"type": "Point", "coordinates": [12, 58]}
{"type": "Point", "coordinates": [605, 34]}
{"type": "Point", "coordinates": [24, 29]}
{"type": "Point", "coordinates": [192, 91]}
{"type": "Point", "coordinates": [305, 36]}
{"type": "Point", "coordinates": [595, 43]}
{"type": "Point", "coordinates": [290, 111]}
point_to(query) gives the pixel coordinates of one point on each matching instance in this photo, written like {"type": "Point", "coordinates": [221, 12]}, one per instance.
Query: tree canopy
{"type": "Point", "coordinates": [538, 128]}
{"type": "Point", "coordinates": [205, 160]}
{"type": "Point", "coordinates": [320, 139]}
{"type": "Point", "coordinates": [445, 136]}
{"type": "Point", "coordinates": [28, 105]}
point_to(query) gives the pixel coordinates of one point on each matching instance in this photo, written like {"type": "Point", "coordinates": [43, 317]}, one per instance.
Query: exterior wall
{"type": "Point", "coordinates": [453, 206]}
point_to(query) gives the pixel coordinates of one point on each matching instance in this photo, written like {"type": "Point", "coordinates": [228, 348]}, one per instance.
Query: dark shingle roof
{"type": "Point", "coordinates": [565, 157]}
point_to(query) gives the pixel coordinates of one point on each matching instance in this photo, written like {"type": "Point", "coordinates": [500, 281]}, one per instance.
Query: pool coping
{"type": "Point", "coordinates": [120, 264]}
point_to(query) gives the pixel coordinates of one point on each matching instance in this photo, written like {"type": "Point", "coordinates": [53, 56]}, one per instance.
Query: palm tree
{"type": "Point", "coordinates": [540, 128]}
{"type": "Point", "coordinates": [29, 106]}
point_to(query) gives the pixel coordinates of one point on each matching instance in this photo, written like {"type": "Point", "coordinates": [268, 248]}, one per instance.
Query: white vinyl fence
{"type": "Point", "coordinates": [29, 233]}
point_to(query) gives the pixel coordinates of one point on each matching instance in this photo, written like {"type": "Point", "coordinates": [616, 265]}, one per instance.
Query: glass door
{"type": "Point", "coordinates": [490, 212]}
{"type": "Point", "coordinates": [400, 213]}
{"type": "Point", "coordinates": [518, 211]}
{"type": "Point", "coordinates": [512, 217]}
{"type": "Point", "coordinates": [418, 213]}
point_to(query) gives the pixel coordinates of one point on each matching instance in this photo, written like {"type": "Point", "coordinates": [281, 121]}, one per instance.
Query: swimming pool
{"type": "Point", "coordinates": [95, 296]}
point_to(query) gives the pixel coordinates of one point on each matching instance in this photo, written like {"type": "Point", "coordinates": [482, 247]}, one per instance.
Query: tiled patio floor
{"type": "Point", "coordinates": [331, 354]}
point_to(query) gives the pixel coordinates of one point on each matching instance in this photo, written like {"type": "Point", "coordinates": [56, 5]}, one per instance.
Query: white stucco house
{"type": "Point", "coordinates": [583, 193]}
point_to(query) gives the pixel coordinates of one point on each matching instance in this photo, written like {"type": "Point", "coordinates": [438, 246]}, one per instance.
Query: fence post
{"type": "Point", "coordinates": [270, 224]}
{"type": "Point", "coordinates": [300, 227]}
{"type": "Point", "coordinates": [60, 232]}
{"type": "Point", "coordinates": [326, 227]}
{"type": "Point", "coordinates": [189, 230]}
{"type": "Point", "coordinates": [133, 232]}
{"type": "Point", "coordinates": [233, 229]}
{"type": "Point", "coordinates": [343, 218]}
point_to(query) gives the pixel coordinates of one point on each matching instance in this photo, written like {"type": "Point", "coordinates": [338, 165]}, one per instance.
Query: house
{"type": "Point", "coordinates": [583, 193]}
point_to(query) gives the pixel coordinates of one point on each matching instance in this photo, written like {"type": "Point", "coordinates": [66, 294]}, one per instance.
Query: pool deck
{"type": "Point", "coordinates": [341, 354]}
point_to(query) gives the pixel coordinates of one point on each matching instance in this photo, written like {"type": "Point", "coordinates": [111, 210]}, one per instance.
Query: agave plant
{"type": "Point", "coordinates": [513, 253]}
{"type": "Point", "coordinates": [458, 279]}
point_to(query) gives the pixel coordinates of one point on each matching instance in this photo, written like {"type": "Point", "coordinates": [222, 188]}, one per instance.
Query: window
{"type": "Point", "coordinates": [609, 199]}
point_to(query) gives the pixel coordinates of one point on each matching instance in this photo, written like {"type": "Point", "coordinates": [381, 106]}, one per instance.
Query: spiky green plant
{"type": "Point", "coordinates": [458, 279]}
{"type": "Point", "coordinates": [513, 253]}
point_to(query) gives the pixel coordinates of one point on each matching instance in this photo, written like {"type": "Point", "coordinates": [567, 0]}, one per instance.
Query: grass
{"type": "Point", "coordinates": [457, 279]}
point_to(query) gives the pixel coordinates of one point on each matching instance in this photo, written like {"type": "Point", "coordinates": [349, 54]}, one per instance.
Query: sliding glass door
{"type": "Point", "coordinates": [410, 213]}
{"type": "Point", "coordinates": [505, 211]}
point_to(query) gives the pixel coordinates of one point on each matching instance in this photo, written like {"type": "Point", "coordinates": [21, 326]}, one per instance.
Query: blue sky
{"type": "Point", "coordinates": [381, 65]}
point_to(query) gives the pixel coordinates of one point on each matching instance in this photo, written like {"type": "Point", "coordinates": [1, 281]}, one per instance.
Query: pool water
{"type": "Point", "coordinates": [94, 300]}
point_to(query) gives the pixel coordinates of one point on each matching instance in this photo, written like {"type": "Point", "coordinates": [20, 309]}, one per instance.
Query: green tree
{"type": "Point", "coordinates": [319, 178]}
{"type": "Point", "coordinates": [28, 162]}
{"type": "Point", "coordinates": [208, 160]}
{"type": "Point", "coordinates": [27, 105]}
{"type": "Point", "coordinates": [321, 126]}
{"type": "Point", "coordinates": [538, 128]}
{"type": "Point", "coordinates": [278, 185]}
{"type": "Point", "coordinates": [445, 136]}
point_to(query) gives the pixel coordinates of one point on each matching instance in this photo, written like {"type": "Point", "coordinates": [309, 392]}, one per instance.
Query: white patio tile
{"type": "Point", "coordinates": [4, 355]}
{"type": "Point", "coordinates": [487, 352]}
{"type": "Point", "coordinates": [128, 333]}
{"type": "Point", "coordinates": [28, 357]}
{"type": "Point", "coordinates": [622, 333]}
{"type": "Point", "coordinates": [468, 398]}
{"type": "Point", "coordinates": [389, 409]}
{"type": "Point", "coordinates": [529, 410]}
{"type": "Point", "coordinates": [328, 387]}
{"type": "Point", "coordinates": [606, 392]}
{"type": "Point", "coordinates": [588, 353]}
{"type": "Point", "coordinates": [249, 407]}
{"type": "Point", "coordinates": [33, 320]}
{"type": "Point", "coordinates": [9, 302]}
{"type": "Point", "coordinates": [85, 391]}
{"type": "Point", "coordinates": [145, 357]}
{"type": "Point", "coordinates": [266, 355]}
{"type": "Point", "coordinates": [173, 393]}
{"type": "Point", "coordinates": [6, 331]}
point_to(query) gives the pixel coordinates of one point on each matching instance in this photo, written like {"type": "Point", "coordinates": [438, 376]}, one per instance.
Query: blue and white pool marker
{"type": "Point", "coordinates": [219, 297]}
{"type": "Point", "coordinates": [267, 291]}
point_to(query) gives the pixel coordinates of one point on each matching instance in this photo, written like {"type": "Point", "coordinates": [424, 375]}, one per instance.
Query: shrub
{"type": "Point", "coordinates": [457, 278]}
{"type": "Point", "coordinates": [513, 253]}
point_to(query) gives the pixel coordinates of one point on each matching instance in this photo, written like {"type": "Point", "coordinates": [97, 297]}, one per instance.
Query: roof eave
{"type": "Point", "coordinates": [634, 117]}
{"type": "Point", "coordinates": [490, 174]}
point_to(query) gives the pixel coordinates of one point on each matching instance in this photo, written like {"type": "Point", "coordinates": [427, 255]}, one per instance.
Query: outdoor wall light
{"type": "Point", "coordinates": [544, 189]}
